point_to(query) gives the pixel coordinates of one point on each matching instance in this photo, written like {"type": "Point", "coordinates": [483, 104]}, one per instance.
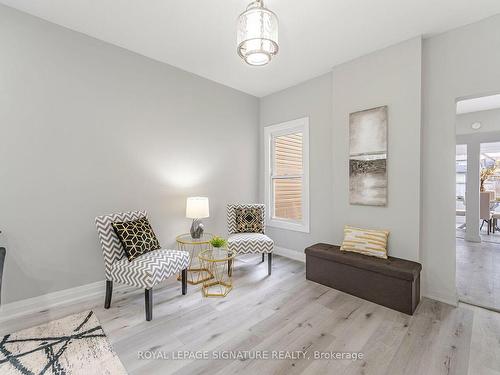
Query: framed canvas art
{"type": "Point", "coordinates": [368, 157]}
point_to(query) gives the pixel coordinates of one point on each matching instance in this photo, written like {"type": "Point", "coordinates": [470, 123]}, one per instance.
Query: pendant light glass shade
{"type": "Point", "coordinates": [257, 34]}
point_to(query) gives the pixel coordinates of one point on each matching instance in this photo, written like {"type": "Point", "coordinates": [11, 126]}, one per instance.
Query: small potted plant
{"type": "Point", "coordinates": [218, 242]}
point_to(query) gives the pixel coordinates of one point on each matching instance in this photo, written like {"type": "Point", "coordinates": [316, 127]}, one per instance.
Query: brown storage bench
{"type": "Point", "coordinates": [392, 282]}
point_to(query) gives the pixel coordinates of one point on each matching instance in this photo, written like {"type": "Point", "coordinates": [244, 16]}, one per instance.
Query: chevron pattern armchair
{"type": "Point", "coordinates": [145, 271]}
{"type": "Point", "coordinates": [249, 242]}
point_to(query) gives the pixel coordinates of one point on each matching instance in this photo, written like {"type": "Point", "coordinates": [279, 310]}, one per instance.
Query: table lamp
{"type": "Point", "coordinates": [196, 209]}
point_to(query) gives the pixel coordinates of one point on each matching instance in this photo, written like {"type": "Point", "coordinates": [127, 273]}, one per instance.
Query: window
{"type": "Point", "coordinates": [287, 175]}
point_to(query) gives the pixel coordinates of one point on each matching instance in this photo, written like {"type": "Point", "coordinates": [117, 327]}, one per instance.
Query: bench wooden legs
{"type": "Point", "coordinates": [269, 262]}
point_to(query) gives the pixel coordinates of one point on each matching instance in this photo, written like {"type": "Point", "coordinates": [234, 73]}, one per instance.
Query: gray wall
{"type": "Point", "coordinates": [311, 99]}
{"type": "Point", "coordinates": [88, 128]}
{"type": "Point", "coordinates": [388, 77]}
{"type": "Point", "coordinates": [457, 64]}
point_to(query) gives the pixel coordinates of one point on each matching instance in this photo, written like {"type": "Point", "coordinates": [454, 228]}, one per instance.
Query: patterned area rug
{"type": "Point", "coordinates": [75, 344]}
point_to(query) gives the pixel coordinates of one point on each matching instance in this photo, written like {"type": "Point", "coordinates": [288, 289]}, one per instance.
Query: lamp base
{"type": "Point", "coordinates": [196, 229]}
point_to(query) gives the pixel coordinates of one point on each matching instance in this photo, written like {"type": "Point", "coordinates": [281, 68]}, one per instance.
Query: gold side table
{"type": "Point", "coordinates": [219, 263]}
{"type": "Point", "coordinates": [195, 273]}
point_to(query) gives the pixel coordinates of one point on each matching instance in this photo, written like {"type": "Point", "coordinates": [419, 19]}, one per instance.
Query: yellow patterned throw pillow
{"type": "Point", "coordinates": [365, 241]}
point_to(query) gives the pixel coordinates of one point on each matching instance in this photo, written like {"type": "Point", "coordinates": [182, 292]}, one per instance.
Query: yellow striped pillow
{"type": "Point", "coordinates": [365, 241]}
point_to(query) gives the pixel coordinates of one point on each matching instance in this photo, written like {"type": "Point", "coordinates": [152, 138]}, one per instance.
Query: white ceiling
{"type": "Point", "coordinates": [482, 103]}
{"type": "Point", "coordinates": [315, 35]}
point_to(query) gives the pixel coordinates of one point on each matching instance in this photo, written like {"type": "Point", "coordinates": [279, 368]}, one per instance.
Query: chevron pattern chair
{"type": "Point", "coordinates": [249, 243]}
{"type": "Point", "coordinates": [145, 271]}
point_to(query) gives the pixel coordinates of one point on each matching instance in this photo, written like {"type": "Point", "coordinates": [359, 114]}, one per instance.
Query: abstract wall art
{"type": "Point", "coordinates": [368, 157]}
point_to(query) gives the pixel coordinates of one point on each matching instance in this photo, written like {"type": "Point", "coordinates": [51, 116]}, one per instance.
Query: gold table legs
{"type": "Point", "coordinates": [221, 270]}
{"type": "Point", "coordinates": [196, 274]}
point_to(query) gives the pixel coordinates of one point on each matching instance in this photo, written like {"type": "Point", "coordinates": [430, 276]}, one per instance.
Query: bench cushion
{"type": "Point", "coordinates": [393, 267]}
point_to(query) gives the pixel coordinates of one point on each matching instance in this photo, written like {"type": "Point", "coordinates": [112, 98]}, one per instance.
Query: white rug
{"type": "Point", "coordinates": [75, 344]}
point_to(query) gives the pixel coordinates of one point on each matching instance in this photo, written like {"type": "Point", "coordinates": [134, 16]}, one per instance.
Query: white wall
{"type": "Point", "coordinates": [458, 64]}
{"type": "Point", "coordinates": [490, 122]}
{"type": "Point", "coordinates": [388, 77]}
{"type": "Point", "coordinates": [88, 128]}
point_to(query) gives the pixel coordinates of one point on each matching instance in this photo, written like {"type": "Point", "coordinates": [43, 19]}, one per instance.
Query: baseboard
{"type": "Point", "coordinates": [85, 292]}
{"type": "Point", "coordinates": [473, 238]}
{"type": "Point", "coordinates": [449, 299]}
{"type": "Point", "coordinates": [470, 303]}
{"type": "Point", "coordinates": [292, 254]}
{"type": "Point", "coordinates": [51, 300]}
{"type": "Point", "coordinates": [97, 289]}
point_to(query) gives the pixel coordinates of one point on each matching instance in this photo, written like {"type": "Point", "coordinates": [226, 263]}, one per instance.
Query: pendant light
{"type": "Point", "coordinates": [257, 34]}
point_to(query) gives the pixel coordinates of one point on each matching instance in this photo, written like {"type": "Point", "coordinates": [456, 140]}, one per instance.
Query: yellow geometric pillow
{"type": "Point", "coordinates": [365, 241]}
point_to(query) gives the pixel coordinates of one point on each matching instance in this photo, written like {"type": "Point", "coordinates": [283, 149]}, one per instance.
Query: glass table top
{"type": "Point", "coordinates": [187, 239]}
{"type": "Point", "coordinates": [217, 255]}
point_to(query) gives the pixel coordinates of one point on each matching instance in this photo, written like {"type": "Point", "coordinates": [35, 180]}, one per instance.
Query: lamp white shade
{"type": "Point", "coordinates": [197, 208]}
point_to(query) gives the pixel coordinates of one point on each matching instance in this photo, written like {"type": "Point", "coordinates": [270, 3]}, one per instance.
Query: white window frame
{"type": "Point", "coordinates": [270, 132]}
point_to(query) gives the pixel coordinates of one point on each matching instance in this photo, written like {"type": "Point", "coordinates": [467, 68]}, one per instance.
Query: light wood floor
{"type": "Point", "coordinates": [478, 273]}
{"type": "Point", "coordinates": [286, 312]}
{"type": "Point", "coordinates": [483, 233]}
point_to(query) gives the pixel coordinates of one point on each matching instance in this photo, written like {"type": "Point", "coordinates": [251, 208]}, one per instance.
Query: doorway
{"type": "Point", "coordinates": [478, 201]}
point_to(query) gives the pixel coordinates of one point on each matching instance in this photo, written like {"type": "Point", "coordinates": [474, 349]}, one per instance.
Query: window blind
{"type": "Point", "coordinates": [287, 176]}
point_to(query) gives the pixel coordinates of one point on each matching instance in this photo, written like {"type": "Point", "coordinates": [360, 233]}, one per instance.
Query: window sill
{"type": "Point", "coordinates": [281, 224]}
